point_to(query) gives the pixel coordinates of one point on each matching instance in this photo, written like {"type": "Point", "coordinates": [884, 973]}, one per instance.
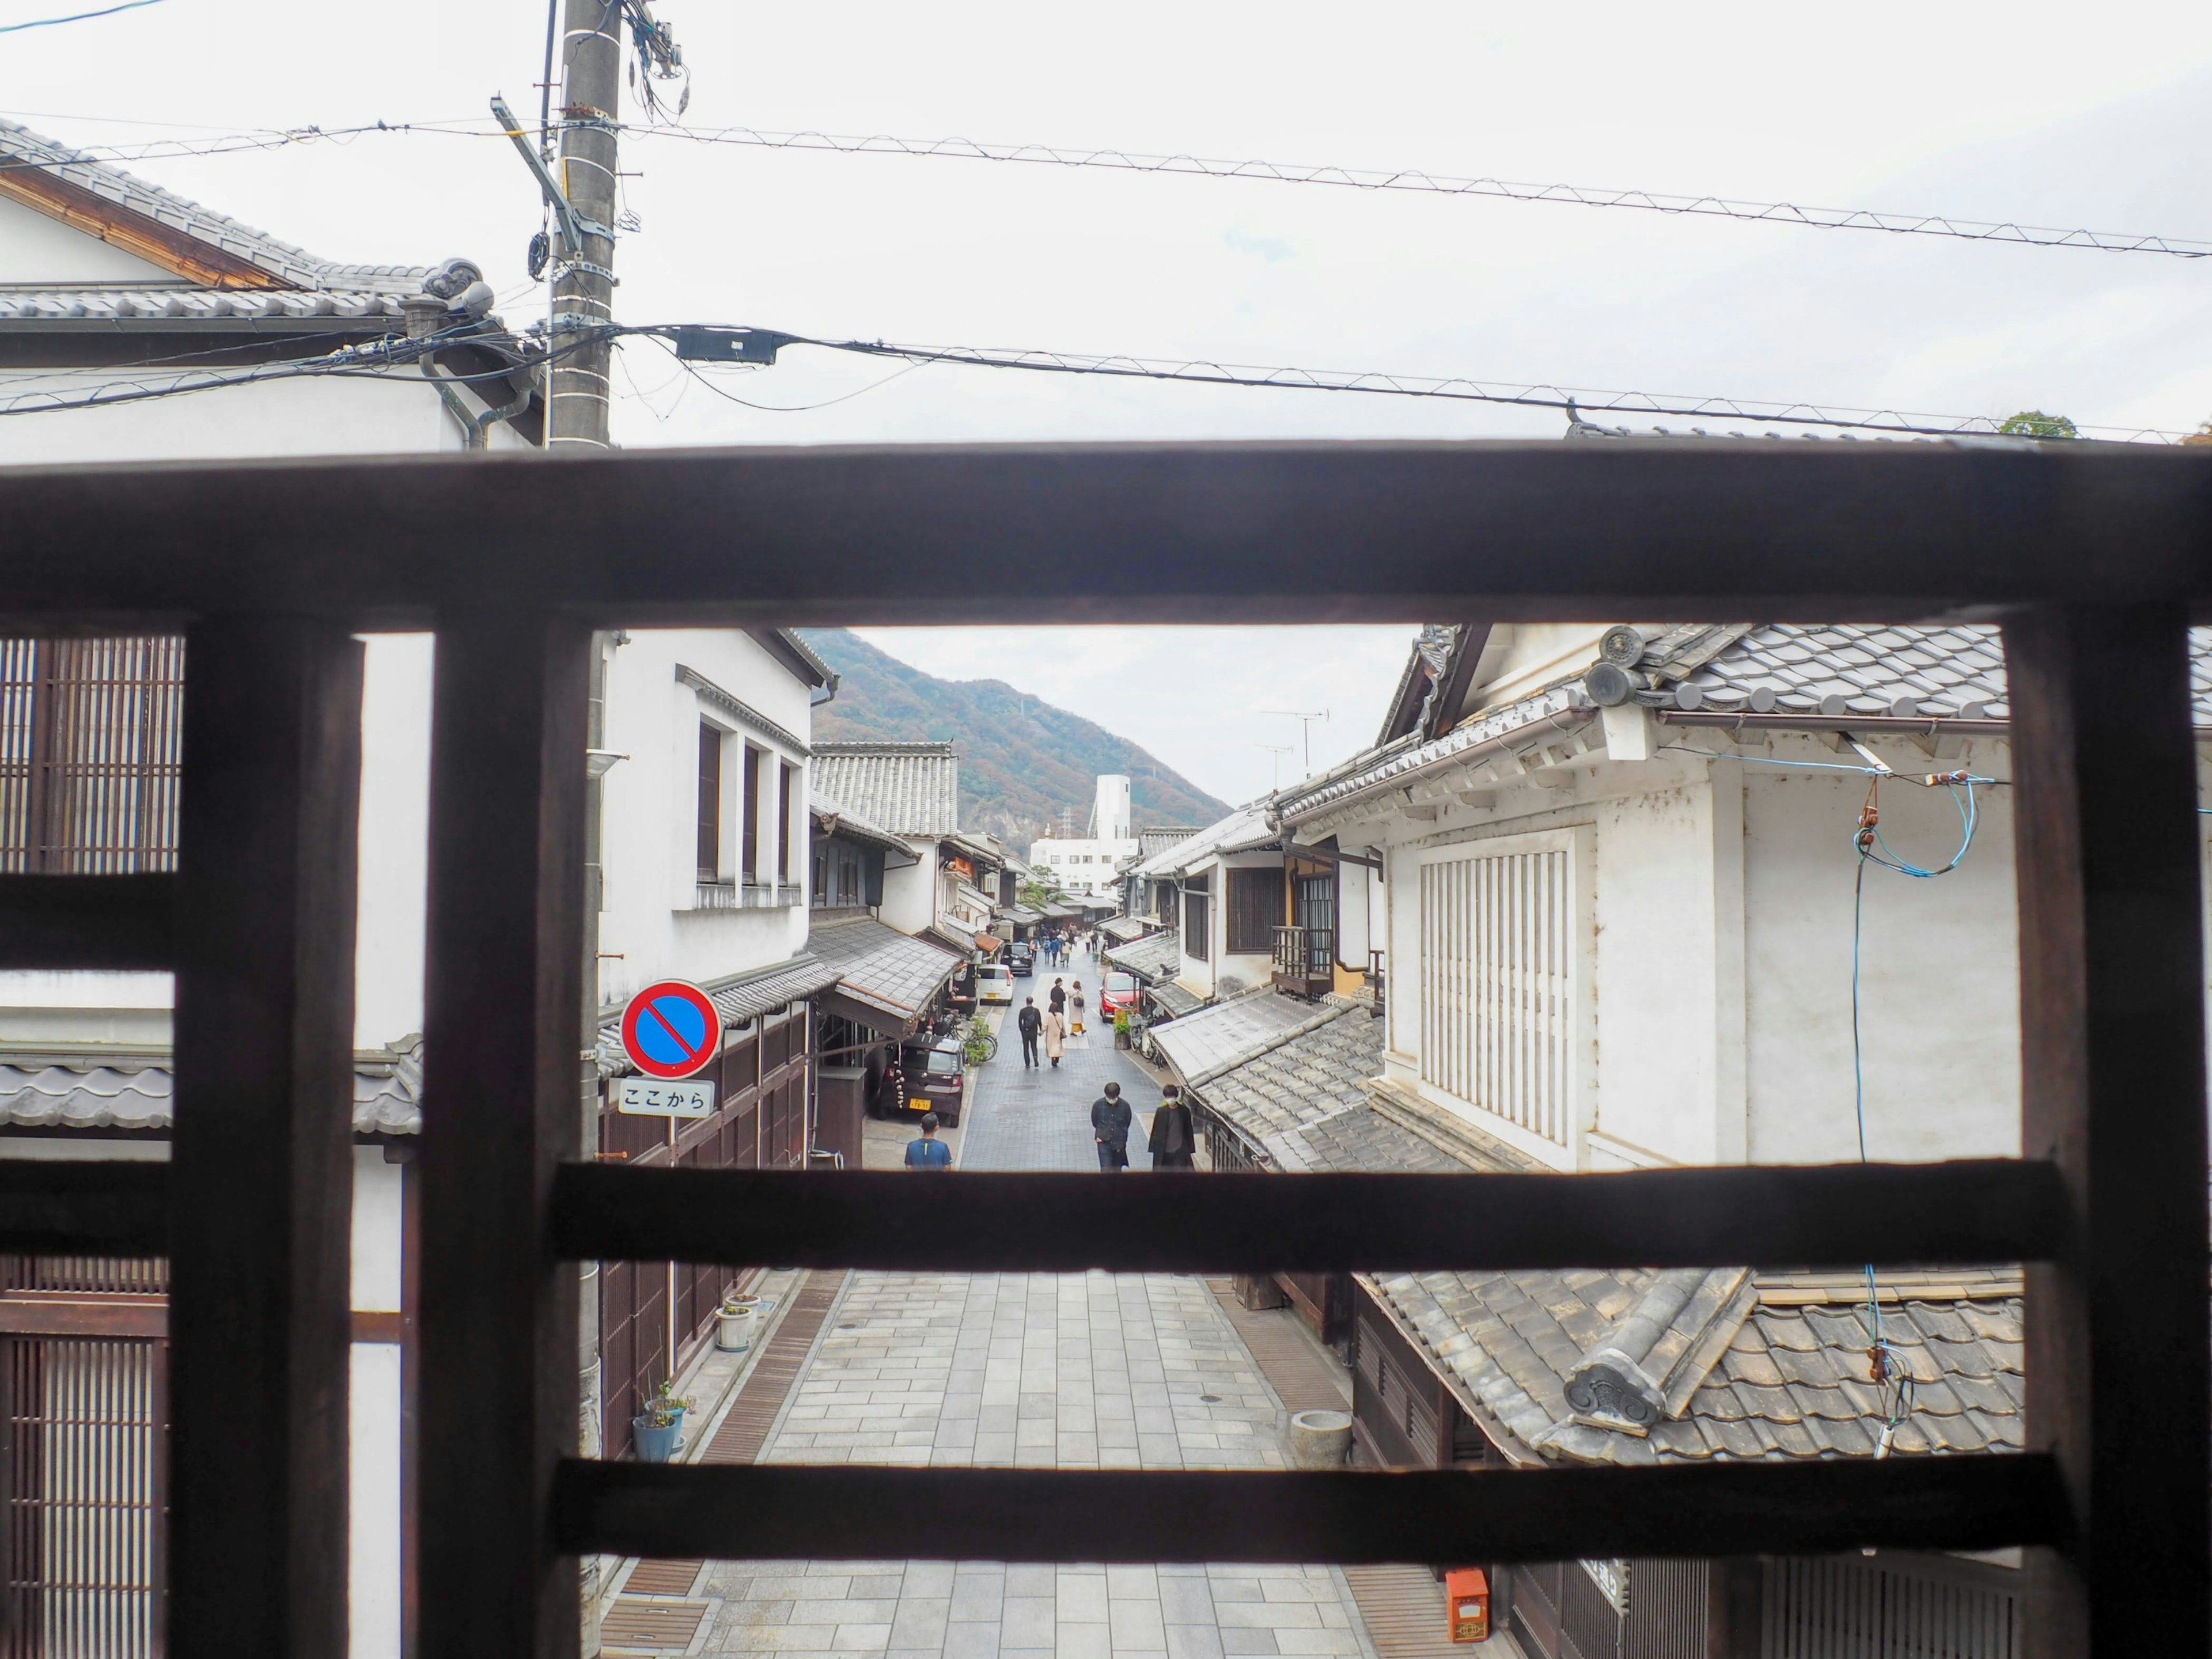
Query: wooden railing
{"type": "Point", "coordinates": [2094, 556]}
{"type": "Point", "coordinates": [1305, 957]}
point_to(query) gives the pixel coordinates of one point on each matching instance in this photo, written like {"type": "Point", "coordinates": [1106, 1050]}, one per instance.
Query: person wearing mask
{"type": "Point", "coordinates": [1075, 1005]}
{"type": "Point", "coordinates": [1031, 1024]}
{"type": "Point", "coordinates": [1110, 1118]}
{"type": "Point", "coordinates": [1055, 1034]}
{"type": "Point", "coordinates": [1173, 1140]}
{"type": "Point", "coordinates": [928, 1152]}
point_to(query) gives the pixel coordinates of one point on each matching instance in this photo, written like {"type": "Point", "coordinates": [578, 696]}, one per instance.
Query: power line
{"type": "Point", "coordinates": [1425, 182]}
{"type": "Point", "coordinates": [699, 343]}
{"type": "Point", "coordinates": [76, 17]}
{"type": "Point", "coordinates": [1417, 181]}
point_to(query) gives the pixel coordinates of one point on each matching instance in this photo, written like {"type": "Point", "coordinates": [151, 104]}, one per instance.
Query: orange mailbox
{"type": "Point", "coordinates": [1466, 1594]}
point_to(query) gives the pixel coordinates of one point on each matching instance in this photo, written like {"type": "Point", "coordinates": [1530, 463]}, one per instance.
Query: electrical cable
{"type": "Point", "coordinates": [76, 17]}
{"type": "Point", "coordinates": [787, 408]}
{"type": "Point", "coordinates": [1421, 180]}
{"type": "Point", "coordinates": [1575, 401]}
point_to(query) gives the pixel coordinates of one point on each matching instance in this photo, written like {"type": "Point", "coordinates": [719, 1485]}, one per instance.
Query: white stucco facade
{"type": "Point", "coordinates": [1700, 993]}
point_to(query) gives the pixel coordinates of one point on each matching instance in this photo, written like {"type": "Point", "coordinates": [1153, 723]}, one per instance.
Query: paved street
{"type": "Point", "coordinates": [1072, 1371]}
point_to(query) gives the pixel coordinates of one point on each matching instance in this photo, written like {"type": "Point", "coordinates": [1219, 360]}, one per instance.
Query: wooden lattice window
{"type": "Point", "coordinates": [89, 754]}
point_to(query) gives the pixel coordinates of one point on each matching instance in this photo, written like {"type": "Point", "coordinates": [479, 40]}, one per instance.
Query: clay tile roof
{"type": "Point", "coordinates": [907, 788]}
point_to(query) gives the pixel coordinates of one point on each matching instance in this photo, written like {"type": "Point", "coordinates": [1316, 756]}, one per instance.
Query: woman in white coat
{"type": "Point", "coordinates": [1056, 1034]}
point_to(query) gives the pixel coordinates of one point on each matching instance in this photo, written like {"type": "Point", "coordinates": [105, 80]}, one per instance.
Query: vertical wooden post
{"type": "Point", "coordinates": [2112, 1033]}
{"type": "Point", "coordinates": [1736, 1607]}
{"type": "Point", "coordinates": [262, 1228]}
{"type": "Point", "coordinates": [499, 1110]}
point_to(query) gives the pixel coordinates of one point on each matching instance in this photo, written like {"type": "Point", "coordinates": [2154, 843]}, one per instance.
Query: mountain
{"type": "Point", "coordinates": [1022, 762]}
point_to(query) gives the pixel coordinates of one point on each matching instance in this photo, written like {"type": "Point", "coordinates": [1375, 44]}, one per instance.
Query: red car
{"type": "Point", "coordinates": [1120, 992]}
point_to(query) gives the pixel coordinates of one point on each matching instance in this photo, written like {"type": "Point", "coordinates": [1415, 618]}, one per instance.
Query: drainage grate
{"type": "Point", "coordinates": [741, 1433]}
{"type": "Point", "coordinates": [638, 1626]}
{"type": "Point", "coordinates": [662, 1578]}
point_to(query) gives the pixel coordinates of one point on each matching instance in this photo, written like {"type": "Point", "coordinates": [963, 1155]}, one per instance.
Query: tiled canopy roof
{"type": "Point", "coordinates": [89, 1091]}
{"type": "Point", "coordinates": [1204, 1046]}
{"type": "Point", "coordinates": [907, 788]}
{"type": "Point", "coordinates": [880, 967]}
{"type": "Point", "coordinates": [838, 819]}
{"type": "Point", "coordinates": [1125, 930]}
{"type": "Point", "coordinates": [1158, 956]}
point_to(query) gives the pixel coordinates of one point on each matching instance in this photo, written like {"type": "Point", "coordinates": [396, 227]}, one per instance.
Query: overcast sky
{"type": "Point", "coordinates": [2049, 114]}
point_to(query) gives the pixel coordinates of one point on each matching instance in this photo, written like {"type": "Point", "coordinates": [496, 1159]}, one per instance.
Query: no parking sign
{"type": "Point", "coordinates": [669, 1031]}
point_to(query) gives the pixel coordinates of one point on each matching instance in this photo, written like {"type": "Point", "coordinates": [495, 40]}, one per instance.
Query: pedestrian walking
{"type": "Point", "coordinates": [1031, 1024]}
{"type": "Point", "coordinates": [1173, 1139]}
{"type": "Point", "coordinates": [1110, 1118]}
{"type": "Point", "coordinates": [1056, 1033]}
{"type": "Point", "coordinates": [928, 1152]}
{"type": "Point", "coordinates": [1056, 998]}
{"type": "Point", "coordinates": [1075, 1007]}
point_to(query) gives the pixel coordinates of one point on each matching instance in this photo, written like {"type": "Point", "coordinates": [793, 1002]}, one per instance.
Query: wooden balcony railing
{"type": "Point", "coordinates": [1305, 960]}
{"type": "Point", "coordinates": [2094, 556]}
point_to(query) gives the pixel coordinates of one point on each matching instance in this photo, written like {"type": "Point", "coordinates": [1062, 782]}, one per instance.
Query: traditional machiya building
{"type": "Point", "coordinates": [700, 871]}
{"type": "Point", "coordinates": [1620, 907]}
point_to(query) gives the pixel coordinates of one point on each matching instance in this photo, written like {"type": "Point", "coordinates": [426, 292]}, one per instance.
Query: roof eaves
{"type": "Point", "coordinates": [741, 711]}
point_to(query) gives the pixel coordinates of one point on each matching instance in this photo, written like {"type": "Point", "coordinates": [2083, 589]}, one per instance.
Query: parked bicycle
{"type": "Point", "coordinates": [977, 1044]}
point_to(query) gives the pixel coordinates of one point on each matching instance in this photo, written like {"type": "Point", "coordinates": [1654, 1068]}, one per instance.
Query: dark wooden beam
{"type": "Point", "coordinates": [2119, 1384]}
{"type": "Point", "coordinates": [769, 1512]}
{"type": "Point", "coordinates": [1070, 533]}
{"type": "Point", "coordinates": [105, 1207]}
{"type": "Point", "coordinates": [88, 921]}
{"type": "Point", "coordinates": [499, 1392]}
{"type": "Point", "coordinates": [261, 1170]}
{"type": "Point", "coordinates": [1983, 1211]}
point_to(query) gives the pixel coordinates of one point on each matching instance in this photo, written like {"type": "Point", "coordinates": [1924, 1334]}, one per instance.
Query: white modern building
{"type": "Point", "coordinates": [1091, 867]}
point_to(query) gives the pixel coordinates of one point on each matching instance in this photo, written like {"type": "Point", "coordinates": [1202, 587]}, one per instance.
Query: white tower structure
{"type": "Point", "coordinates": [1112, 822]}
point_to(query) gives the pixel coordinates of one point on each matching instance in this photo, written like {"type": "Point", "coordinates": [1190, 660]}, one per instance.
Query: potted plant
{"type": "Point", "coordinates": [658, 1430]}
{"type": "Point", "coordinates": [1121, 1027]}
{"type": "Point", "coordinates": [733, 1323]}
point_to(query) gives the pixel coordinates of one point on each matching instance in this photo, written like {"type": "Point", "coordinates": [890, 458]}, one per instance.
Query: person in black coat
{"type": "Point", "coordinates": [1173, 1140]}
{"type": "Point", "coordinates": [1110, 1118]}
{"type": "Point", "coordinates": [1030, 1024]}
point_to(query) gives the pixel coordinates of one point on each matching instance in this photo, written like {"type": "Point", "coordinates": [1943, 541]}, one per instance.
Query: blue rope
{"type": "Point", "coordinates": [76, 17]}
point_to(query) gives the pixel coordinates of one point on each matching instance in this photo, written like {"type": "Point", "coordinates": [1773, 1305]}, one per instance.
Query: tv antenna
{"type": "Point", "coordinates": [1305, 718]}
{"type": "Point", "coordinates": [1277, 750]}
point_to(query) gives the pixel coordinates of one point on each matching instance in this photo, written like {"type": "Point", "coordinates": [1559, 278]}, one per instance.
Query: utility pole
{"type": "Point", "coordinates": [577, 414]}
{"type": "Point", "coordinates": [584, 282]}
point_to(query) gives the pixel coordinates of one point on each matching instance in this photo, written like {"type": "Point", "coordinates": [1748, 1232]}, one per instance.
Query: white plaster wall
{"type": "Point", "coordinates": [395, 837]}
{"type": "Point", "coordinates": [1658, 858]}
{"type": "Point", "coordinates": [1359, 901]}
{"type": "Point", "coordinates": [398, 416]}
{"type": "Point", "coordinates": [910, 890]}
{"type": "Point", "coordinates": [1939, 976]}
{"type": "Point", "coordinates": [373, 1541]}
{"type": "Point", "coordinates": [35, 247]}
{"type": "Point", "coordinates": [376, 1231]}
{"type": "Point", "coordinates": [649, 823]}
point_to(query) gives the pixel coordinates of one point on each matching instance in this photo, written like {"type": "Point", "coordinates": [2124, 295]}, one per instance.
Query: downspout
{"type": "Point", "coordinates": [475, 428]}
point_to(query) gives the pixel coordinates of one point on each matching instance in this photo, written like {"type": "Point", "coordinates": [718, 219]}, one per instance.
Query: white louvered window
{"type": "Point", "coordinates": [1501, 959]}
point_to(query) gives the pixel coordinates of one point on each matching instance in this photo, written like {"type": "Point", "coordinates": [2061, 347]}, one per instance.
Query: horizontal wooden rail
{"type": "Point", "coordinates": [87, 1208]}
{"type": "Point", "coordinates": [847, 1513]}
{"type": "Point", "coordinates": [1892, 1214]}
{"type": "Point", "coordinates": [1295, 532]}
{"type": "Point", "coordinates": [88, 921]}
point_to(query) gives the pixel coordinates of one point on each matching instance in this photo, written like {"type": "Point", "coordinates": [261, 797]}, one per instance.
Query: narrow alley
{"type": "Point", "coordinates": [1070, 1371]}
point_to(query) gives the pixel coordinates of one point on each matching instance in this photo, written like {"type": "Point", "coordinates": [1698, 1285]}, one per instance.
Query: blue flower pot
{"type": "Point", "coordinates": [656, 1445]}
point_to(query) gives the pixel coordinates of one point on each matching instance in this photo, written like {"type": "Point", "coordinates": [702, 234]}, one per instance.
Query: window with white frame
{"type": "Point", "coordinates": [1501, 960]}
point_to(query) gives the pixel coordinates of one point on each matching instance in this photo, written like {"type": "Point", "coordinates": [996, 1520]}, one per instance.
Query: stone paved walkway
{"type": "Point", "coordinates": [1077, 1370]}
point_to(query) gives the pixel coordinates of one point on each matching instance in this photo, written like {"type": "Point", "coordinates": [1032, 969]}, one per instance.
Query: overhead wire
{"type": "Point", "coordinates": [1421, 180]}
{"type": "Point", "coordinates": [1575, 401]}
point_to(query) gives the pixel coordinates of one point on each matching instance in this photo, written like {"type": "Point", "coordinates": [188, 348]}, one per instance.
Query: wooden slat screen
{"type": "Point", "coordinates": [1255, 911]}
{"type": "Point", "coordinates": [90, 730]}
{"type": "Point", "coordinates": [2093, 555]}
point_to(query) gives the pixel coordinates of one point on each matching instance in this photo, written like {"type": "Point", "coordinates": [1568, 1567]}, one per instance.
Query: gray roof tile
{"type": "Point", "coordinates": [907, 788]}
{"type": "Point", "coordinates": [881, 967]}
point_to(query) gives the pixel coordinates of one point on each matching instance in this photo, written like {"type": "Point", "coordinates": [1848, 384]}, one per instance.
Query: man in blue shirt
{"type": "Point", "coordinates": [928, 1152]}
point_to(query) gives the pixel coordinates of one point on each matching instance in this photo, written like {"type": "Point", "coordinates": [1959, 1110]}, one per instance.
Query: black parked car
{"type": "Point", "coordinates": [1022, 960]}
{"type": "Point", "coordinates": [936, 1075]}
